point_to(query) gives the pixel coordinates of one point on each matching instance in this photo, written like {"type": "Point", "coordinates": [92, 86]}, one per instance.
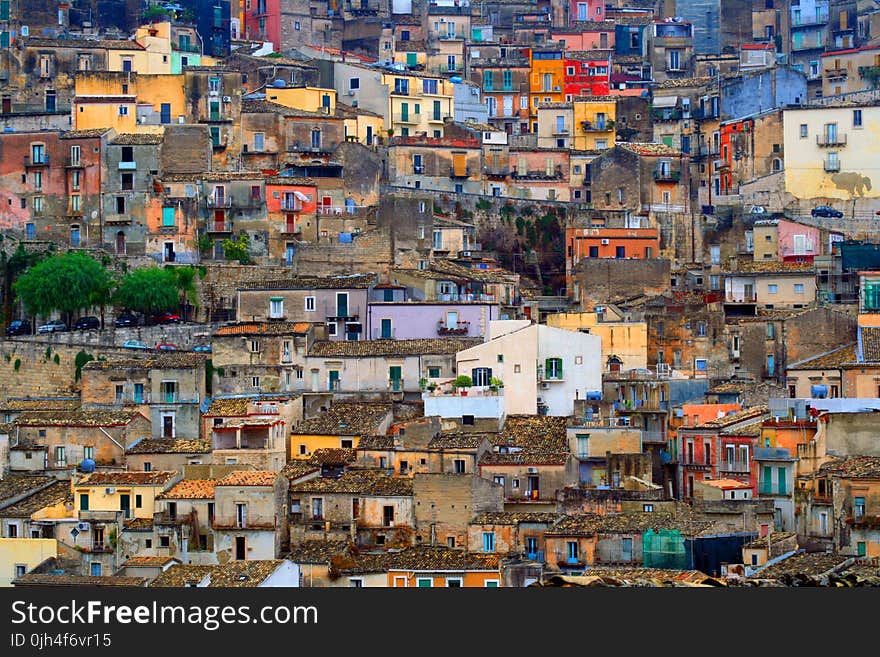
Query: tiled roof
{"type": "Point", "coordinates": [39, 404]}
{"type": "Point", "coordinates": [870, 336]}
{"type": "Point", "coordinates": [297, 468]}
{"type": "Point", "coordinates": [89, 133]}
{"type": "Point", "coordinates": [170, 446]}
{"type": "Point", "coordinates": [294, 181]}
{"type": "Point", "coordinates": [260, 106]}
{"type": "Point", "coordinates": [75, 418]}
{"type": "Point", "coordinates": [734, 418]}
{"type": "Point", "coordinates": [180, 575]}
{"type": "Point", "coordinates": [144, 561]}
{"type": "Point", "coordinates": [644, 148]}
{"type": "Point", "coordinates": [351, 282]}
{"type": "Point", "coordinates": [514, 518]}
{"type": "Point", "coordinates": [725, 484]}
{"type": "Point", "coordinates": [39, 579]}
{"type": "Point", "coordinates": [18, 485]}
{"type": "Point", "coordinates": [365, 562]}
{"type": "Point", "coordinates": [443, 270]}
{"type": "Point", "coordinates": [659, 575]}
{"type": "Point", "coordinates": [57, 493]}
{"type": "Point", "coordinates": [752, 430]}
{"type": "Point", "coordinates": [413, 347]}
{"type": "Point", "coordinates": [540, 433]}
{"type": "Point", "coordinates": [525, 457]}
{"type": "Point", "coordinates": [169, 361]}
{"type": "Point", "coordinates": [79, 44]}
{"type": "Point", "coordinates": [243, 574]}
{"type": "Point", "coordinates": [138, 525]}
{"type": "Point", "coordinates": [316, 551]}
{"type": "Point", "coordinates": [627, 523]}
{"type": "Point", "coordinates": [867, 467]}
{"type": "Point", "coordinates": [264, 328]}
{"type": "Point", "coordinates": [685, 82]}
{"type": "Point", "coordinates": [775, 537]}
{"type": "Point", "coordinates": [361, 482]}
{"type": "Point", "coordinates": [213, 176]}
{"type": "Point", "coordinates": [457, 440]}
{"type": "Point", "coordinates": [138, 139]}
{"type": "Point", "coordinates": [772, 267]}
{"type": "Point", "coordinates": [252, 422]}
{"type": "Point", "coordinates": [227, 406]}
{"type": "Point", "coordinates": [828, 360]}
{"type": "Point", "coordinates": [333, 456]}
{"type": "Point", "coordinates": [441, 558]}
{"type": "Point", "coordinates": [381, 443]}
{"type": "Point", "coordinates": [346, 420]}
{"type": "Point", "coordinates": [802, 564]}
{"type": "Point", "coordinates": [249, 478]}
{"type": "Point", "coordinates": [190, 489]}
{"type": "Point", "coordinates": [156, 478]}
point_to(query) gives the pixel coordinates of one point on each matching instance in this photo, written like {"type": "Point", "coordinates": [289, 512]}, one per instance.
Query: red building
{"type": "Point", "coordinates": [262, 22]}
{"type": "Point", "coordinates": [730, 132]}
{"type": "Point", "coordinates": [587, 73]}
{"type": "Point", "coordinates": [586, 10]}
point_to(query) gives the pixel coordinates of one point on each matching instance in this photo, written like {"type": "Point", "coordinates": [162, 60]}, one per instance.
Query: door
{"type": "Point", "coordinates": [168, 426]}
{"type": "Point", "coordinates": [120, 243]}
{"type": "Point", "coordinates": [748, 292]}
{"type": "Point", "coordinates": [334, 380]}
{"type": "Point", "coordinates": [395, 375]}
{"type": "Point", "coordinates": [385, 331]}
{"type": "Point", "coordinates": [404, 111]}
{"type": "Point", "coordinates": [342, 304]}
{"type": "Point", "coordinates": [240, 548]}
{"type": "Point", "coordinates": [125, 504]}
{"type": "Point", "coordinates": [626, 549]}
{"type": "Point", "coordinates": [289, 250]}
{"type": "Point", "coordinates": [534, 486]}
{"type": "Point", "coordinates": [169, 252]}
{"type": "Point", "coordinates": [452, 319]}
{"type": "Point", "coordinates": [369, 135]}
{"type": "Point", "coordinates": [165, 113]}
{"type": "Point", "coordinates": [219, 220]}
{"type": "Point", "coordinates": [95, 569]}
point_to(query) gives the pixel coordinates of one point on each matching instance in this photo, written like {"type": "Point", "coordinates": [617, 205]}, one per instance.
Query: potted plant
{"type": "Point", "coordinates": [432, 386]}
{"type": "Point", "coordinates": [495, 383]}
{"type": "Point", "coordinates": [423, 383]}
{"type": "Point", "coordinates": [461, 383]}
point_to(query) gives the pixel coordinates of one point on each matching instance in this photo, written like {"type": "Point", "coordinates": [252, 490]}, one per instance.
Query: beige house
{"type": "Point", "coordinates": [623, 339]}
{"type": "Point", "coordinates": [250, 521]}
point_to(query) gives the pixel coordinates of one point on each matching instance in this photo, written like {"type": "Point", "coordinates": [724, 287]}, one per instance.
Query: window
{"type": "Point", "coordinates": [798, 288]}
{"type": "Point", "coordinates": [571, 548]}
{"type": "Point", "coordinates": [459, 466]}
{"type": "Point", "coordinates": [433, 372]}
{"type": "Point", "coordinates": [772, 288]}
{"type": "Point", "coordinates": [454, 582]}
{"type": "Point", "coordinates": [804, 131]}
{"type": "Point", "coordinates": [481, 376]}
{"type": "Point", "coordinates": [488, 541]}
{"type": "Point", "coordinates": [123, 110]}
{"type": "Point", "coordinates": [84, 502]}
{"type": "Point", "coordinates": [310, 304]}
{"type": "Point", "coordinates": [165, 541]}
{"type": "Point", "coordinates": [424, 582]}
{"type": "Point", "coordinates": [553, 368]}
{"type": "Point", "coordinates": [276, 307]}
{"type": "Point", "coordinates": [648, 508]}
{"type": "Point", "coordinates": [857, 118]}
{"type": "Point", "coordinates": [859, 507]}
{"type": "Point", "coordinates": [255, 381]}
{"type": "Point", "coordinates": [356, 582]}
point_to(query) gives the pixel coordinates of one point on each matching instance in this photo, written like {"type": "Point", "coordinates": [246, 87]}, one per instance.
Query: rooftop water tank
{"type": "Point", "coordinates": [455, 79]}
{"type": "Point", "coordinates": [87, 466]}
{"type": "Point", "coordinates": [279, 83]}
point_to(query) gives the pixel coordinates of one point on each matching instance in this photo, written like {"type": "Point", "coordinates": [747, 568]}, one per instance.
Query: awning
{"type": "Point", "coordinates": [666, 101]}
{"type": "Point", "coordinates": [300, 196]}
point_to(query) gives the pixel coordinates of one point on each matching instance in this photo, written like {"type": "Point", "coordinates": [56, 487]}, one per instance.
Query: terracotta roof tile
{"type": "Point", "coordinates": [772, 267]}
{"type": "Point", "coordinates": [170, 361]}
{"type": "Point", "coordinates": [627, 523]}
{"type": "Point", "coordinates": [143, 561]}
{"type": "Point", "coordinates": [249, 478]}
{"type": "Point", "coordinates": [333, 456]}
{"type": "Point", "coordinates": [317, 551]}
{"type": "Point", "coordinates": [89, 133]}
{"type": "Point", "coordinates": [226, 406]}
{"type": "Point", "coordinates": [457, 440]}
{"type": "Point", "coordinates": [57, 493]}
{"type": "Point", "coordinates": [857, 467]}
{"type": "Point", "coordinates": [734, 418]}
{"type": "Point", "coordinates": [346, 420]}
{"type": "Point", "coordinates": [800, 565]}
{"type": "Point", "coordinates": [138, 525]}
{"type": "Point", "coordinates": [752, 430]}
{"type": "Point", "coordinates": [264, 328]}
{"type": "Point", "coordinates": [649, 149]}
{"type": "Point", "coordinates": [297, 468]}
{"type": "Point", "coordinates": [190, 489]}
{"type": "Point", "coordinates": [81, 418]}
{"type": "Point", "coordinates": [414, 347]}
{"type": "Point", "coordinates": [39, 579]}
{"type": "Point", "coordinates": [725, 484]}
{"type": "Point", "coordinates": [170, 446]}
{"type": "Point", "coordinates": [351, 282]}
{"type": "Point", "coordinates": [441, 558]}
{"type": "Point", "coordinates": [828, 360]}
{"type": "Point", "coordinates": [361, 482]}
{"type": "Point", "coordinates": [775, 537]}
{"type": "Point", "coordinates": [20, 484]}
{"type": "Point", "coordinates": [243, 574]}
{"type": "Point", "coordinates": [870, 338]}
{"type": "Point", "coordinates": [138, 139]}
{"type": "Point", "coordinates": [181, 575]}
{"type": "Point", "coordinates": [514, 518]}
{"type": "Point", "coordinates": [155, 478]}
{"type": "Point", "coordinates": [39, 405]}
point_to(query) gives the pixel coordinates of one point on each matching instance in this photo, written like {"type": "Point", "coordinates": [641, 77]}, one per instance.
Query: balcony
{"type": "Point", "coordinates": [259, 11]}
{"type": "Point", "coordinates": [395, 385]}
{"type": "Point", "coordinates": [75, 164]}
{"type": "Point", "coordinates": [836, 73]}
{"type": "Point", "coordinates": [831, 140]}
{"type": "Point", "coordinates": [831, 165]}
{"type": "Point", "coordinates": [249, 522]}
{"type": "Point", "coordinates": [186, 47]}
{"type": "Point", "coordinates": [556, 174]}
{"type": "Point", "coordinates": [661, 116]}
{"type": "Point", "coordinates": [561, 130]}
{"type": "Point", "coordinates": [600, 126]}
{"type": "Point", "coordinates": [127, 166]}
{"type": "Point", "coordinates": [654, 437]}
{"type": "Point", "coordinates": [721, 165]}
{"type": "Point", "coordinates": [863, 521]}
{"type": "Point", "coordinates": [218, 201]}
{"type": "Point", "coordinates": [342, 316]}
{"type": "Point", "coordinates": [412, 119]}
{"type": "Point", "coordinates": [455, 172]}
{"type": "Point", "coordinates": [459, 329]}
{"type": "Point", "coordinates": [733, 466]}
{"type": "Point", "coordinates": [291, 206]}
{"type": "Point", "coordinates": [290, 229]}
{"type": "Point", "coordinates": [39, 161]}
{"type": "Point", "coordinates": [219, 226]}
{"type": "Point", "coordinates": [451, 37]}
{"type": "Point", "coordinates": [436, 118]}
{"type": "Point", "coordinates": [94, 547]}
{"type": "Point", "coordinates": [661, 175]}
{"type": "Point", "coordinates": [496, 172]}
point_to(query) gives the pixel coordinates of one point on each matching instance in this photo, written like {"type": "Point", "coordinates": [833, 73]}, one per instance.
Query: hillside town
{"type": "Point", "coordinates": [511, 293]}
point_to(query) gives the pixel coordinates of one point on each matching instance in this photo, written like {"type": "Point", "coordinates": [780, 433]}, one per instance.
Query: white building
{"type": "Point", "coordinates": [543, 369]}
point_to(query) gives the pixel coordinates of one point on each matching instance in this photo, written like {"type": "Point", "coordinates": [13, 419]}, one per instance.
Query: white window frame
{"type": "Point", "coordinates": [310, 304]}
{"type": "Point", "coordinates": [487, 582]}
{"type": "Point", "coordinates": [401, 578]}
{"type": "Point", "coordinates": [422, 579]}
{"type": "Point", "coordinates": [276, 313]}
{"type": "Point", "coordinates": [460, 581]}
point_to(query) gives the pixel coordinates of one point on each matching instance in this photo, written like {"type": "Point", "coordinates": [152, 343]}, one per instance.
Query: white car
{"type": "Point", "coordinates": [758, 209]}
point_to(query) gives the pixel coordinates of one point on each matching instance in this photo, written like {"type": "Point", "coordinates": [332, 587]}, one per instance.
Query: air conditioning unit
{"type": "Point", "coordinates": [83, 526]}
{"type": "Point", "coordinates": [227, 99]}
{"type": "Point", "coordinates": [213, 92]}
{"type": "Point", "coordinates": [557, 88]}
{"type": "Point", "coordinates": [533, 470]}
{"type": "Point", "coordinates": [110, 491]}
{"type": "Point", "coordinates": [606, 242]}
{"type": "Point", "coordinates": [350, 92]}
{"type": "Point", "coordinates": [545, 386]}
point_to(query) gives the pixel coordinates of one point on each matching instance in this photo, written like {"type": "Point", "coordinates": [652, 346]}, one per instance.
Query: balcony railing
{"type": "Point", "coordinates": [290, 229]}
{"type": "Point", "coordinates": [218, 201]}
{"type": "Point", "coordinates": [667, 176]}
{"type": "Point", "coordinates": [127, 165]}
{"type": "Point", "coordinates": [219, 226]}
{"type": "Point", "coordinates": [39, 161]}
{"type": "Point", "coordinates": [829, 140]}
{"type": "Point", "coordinates": [601, 126]}
{"type": "Point", "coordinates": [561, 130]}
{"type": "Point", "coordinates": [455, 173]}
{"type": "Point", "coordinates": [406, 118]}
{"type": "Point", "coordinates": [395, 385]}
{"type": "Point", "coordinates": [292, 206]}
{"type": "Point", "coordinates": [250, 522]}
{"type": "Point", "coordinates": [734, 466]}
{"type": "Point", "coordinates": [461, 328]}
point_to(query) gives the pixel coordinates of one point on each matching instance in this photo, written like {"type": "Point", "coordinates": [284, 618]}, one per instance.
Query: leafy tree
{"type": "Point", "coordinates": [237, 249]}
{"type": "Point", "coordinates": [66, 282]}
{"type": "Point", "coordinates": [12, 267]}
{"type": "Point", "coordinates": [520, 226]}
{"type": "Point", "coordinates": [205, 243]}
{"type": "Point", "coordinates": [148, 290]}
{"type": "Point", "coordinates": [185, 281]}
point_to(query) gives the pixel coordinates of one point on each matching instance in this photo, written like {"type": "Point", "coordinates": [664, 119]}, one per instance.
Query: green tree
{"type": "Point", "coordinates": [148, 290]}
{"type": "Point", "coordinates": [66, 282]}
{"type": "Point", "coordinates": [238, 249]}
{"type": "Point", "coordinates": [185, 281]}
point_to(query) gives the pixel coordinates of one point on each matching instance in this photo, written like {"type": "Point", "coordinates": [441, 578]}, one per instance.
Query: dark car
{"type": "Point", "coordinates": [88, 323]}
{"type": "Point", "coordinates": [826, 211]}
{"type": "Point", "coordinates": [19, 327]}
{"type": "Point", "coordinates": [126, 319]}
{"type": "Point", "coordinates": [166, 318]}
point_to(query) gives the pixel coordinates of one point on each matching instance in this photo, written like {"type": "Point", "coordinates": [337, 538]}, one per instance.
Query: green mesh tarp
{"type": "Point", "coordinates": [664, 549]}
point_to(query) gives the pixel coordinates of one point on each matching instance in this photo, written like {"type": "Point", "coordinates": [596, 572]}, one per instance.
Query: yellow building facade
{"type": "Point", "coordinates": [594, 123]}
{"type": "Point", "coordinates": [417, 104]}
{"type": "Point", "coordinates": [626, 340]}
{"type": "Point", "coordinates": [20, 555]}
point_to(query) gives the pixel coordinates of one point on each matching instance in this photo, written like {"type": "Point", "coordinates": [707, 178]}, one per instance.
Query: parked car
{"type": "Point", "coordinates": [826, 211]}
{"type": "Point", "coordinates": [87, 323]}
{"type": "Point", "coordinates": [166, 318]}
{"type": "Point", "coordinates": [126, 319]}
{"type": "Point", "coordinates": [53, 326]}
{"type": "Point", "coordinates": [134, 344]}
{"type": "Point", "coordinates": [19, 327]}
{"type": "Point", "coordinates": [167, 346]}
{"type": "Point", "coordinates": [203, 348]}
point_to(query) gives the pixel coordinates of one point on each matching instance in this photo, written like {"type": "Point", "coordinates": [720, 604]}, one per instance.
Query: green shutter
{"type": "Point", "coordinates": [167, 216]}
{"type": "Point", "coordinates": [4, 39]}
{"type": "Point", "coordinates": [412, 59]}
{"type": "Point", "coordinates": [4, 10]}
{"type": "Point", "coordinates": [780, 473]}
{"type": "Point", "coordinates": [767, 480]}
{"type": "Point", "coordinates": [861, 546]}
{"type": "Point", "coordinates": [559, 368]}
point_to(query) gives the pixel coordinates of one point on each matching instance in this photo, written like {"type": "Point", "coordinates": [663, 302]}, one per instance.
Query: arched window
{"type": "Point", "coordinates": [777, 164]}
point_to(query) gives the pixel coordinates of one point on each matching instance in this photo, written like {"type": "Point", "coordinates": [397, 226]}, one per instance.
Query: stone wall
{"type": "Point", "coordinates": [601, 280]}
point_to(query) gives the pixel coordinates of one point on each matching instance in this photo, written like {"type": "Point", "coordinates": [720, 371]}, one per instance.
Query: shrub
{"type": "Point", "coordinates": [462, 381]}
{"type": "Point", "coordinates": [17, 365]}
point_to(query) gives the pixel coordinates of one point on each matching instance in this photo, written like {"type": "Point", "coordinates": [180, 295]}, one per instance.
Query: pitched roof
{"type": "Point", "coordinates": [177, 360]}
{"type": "Point", "coordinates": [775, 537]}
{"type": "Point", "coordinates": [457, 440]}
{"type": "Point", "coordinates": [346, 420]}
{"type": "Point", "coordinates": [57, 493]}
{"type": "Point", "coordinates": [752, 430]}
{"type": "Point", "coordinates": [170, 446]}
{"type": "Point", "coordinates": [39, 404]}
{"type": "Point", "coordinates": [316, 551]}
{"type": "Point", "coordinates": [414, 347]}
{"type": "Point", "coordinates": [350, 282]}
{"type": "Point", "coordinates": [190, 489]}
{"type": "Point", "coordinates": [264, 328]}
{"type": "Point", "coordinates": [155, 478]}
{"type": "Point", "coordinates": [514, 518]}
{"type": "Point", "coordinates": [180, 575]}
{"type": "Point", "coordinates": [870, 338]}
{"type": "Point", "coordinates": [297, 468]}
{"type": "Point", "coordinates": [144, 561]}
{"type": "Point", "coordinates": [79, 44]}
{"type": "Point", "coordinates": [806, 564]}
{"type": "Point", "coordinates": [361, 482]}
{"type": "Point", "coordinates": [627, 523]}
{"type": "Point", "coordinates": [734, 418]}
{"type": "Point", "coordinates": [138, 525]}
{"type": "Point", "coordinates": [80, 418]}
{"type": "Point", "coordinates": [20, 484]}
{"type": "Point", "coordinates": [772, 267]}
{"type": "Point", "coordinates": [441, 558]}
{"type": "Point", "coordinates": [535, 433]}
{"type": "Point", "coordinates": [334, 456]}
{"type": "Point", "coordinates": [138, 139]}
{"type": "Point", "coordinates": [249, 478]}
{"type": "Point", "coordinates": [243, 574]}
{"type": "Point", "coordinates": [89, 133]}
{"type": "Point", "coordinates": [828, 360]}
{"type": "Point", "coordinates": [644, 148]}
{"type": "Point", "coordinates": [225, 406]}
{"type": "Point", "coordinates": [45, 579]}
{"type": "Point", "coordinates": [866, 467]}
{"type": "Point", "coordinates": [725, 484]}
